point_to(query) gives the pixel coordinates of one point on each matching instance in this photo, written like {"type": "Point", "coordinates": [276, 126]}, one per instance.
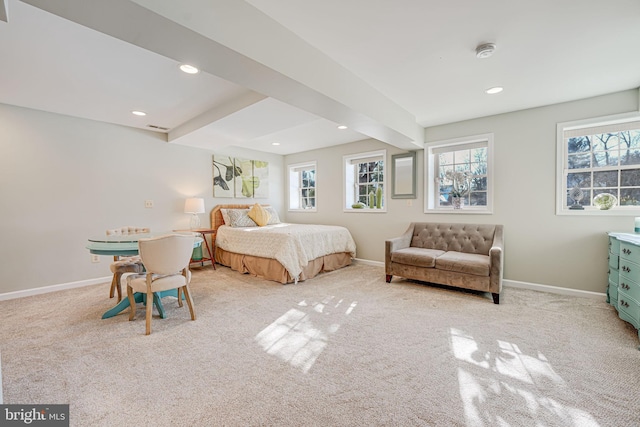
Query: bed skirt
{"type": "Point", "coordinates": [271, 269]}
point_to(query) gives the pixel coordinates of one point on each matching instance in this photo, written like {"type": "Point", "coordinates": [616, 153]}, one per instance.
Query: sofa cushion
{"type": "Point", "coordinates": [461, 262]}
{"type": "Point", "coordinates": [418, 257]}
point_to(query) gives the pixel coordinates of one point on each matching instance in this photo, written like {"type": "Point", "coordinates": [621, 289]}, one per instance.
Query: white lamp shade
{"type": "Point", "coordinates": [194, 205]}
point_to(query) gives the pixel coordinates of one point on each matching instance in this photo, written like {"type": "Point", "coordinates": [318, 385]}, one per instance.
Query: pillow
{"type": "Point", "coordinates": [225, 216]}
{"type": "Point", "coordinates": [273, 215]}
{"type": "Point", "coordinates": [259, 215]}
{"type": "Point", "coordinates": [239, 218]}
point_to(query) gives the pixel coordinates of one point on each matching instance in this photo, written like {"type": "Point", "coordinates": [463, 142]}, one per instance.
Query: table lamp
{"type": "Point", "coordinates": [194, 206]}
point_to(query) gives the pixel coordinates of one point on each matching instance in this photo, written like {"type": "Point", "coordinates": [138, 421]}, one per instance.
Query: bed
{"type": "Point", "coordinates": [282, 252]}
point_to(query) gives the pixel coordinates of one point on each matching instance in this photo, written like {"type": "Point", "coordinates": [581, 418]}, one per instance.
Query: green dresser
{"type": "Point", "coordinates": [623, 291]}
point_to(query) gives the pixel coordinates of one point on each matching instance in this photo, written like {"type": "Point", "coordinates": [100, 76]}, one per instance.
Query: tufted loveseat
{"type": "Point", "coordinates": [468, 256]}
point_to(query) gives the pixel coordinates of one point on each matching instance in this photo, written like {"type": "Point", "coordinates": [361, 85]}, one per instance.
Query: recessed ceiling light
{"type": "Point", "coordinates": [342, 127]}
{"type": "Point", "coordinates": [189, 69]}
{"type": "Point", "coordinates": [139, 113]}
{"type": "Point", "coordinates": [493, 90]}
{"type": "Point", "coordinates": [275, 143]}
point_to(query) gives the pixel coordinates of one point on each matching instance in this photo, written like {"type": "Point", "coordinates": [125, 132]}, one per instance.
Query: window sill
{"type": "Point", "coordinates": [598, 212]}
{"type": "Point", "coordinates": [302, 210]}
{"type": "Point", "coordinates": [383, 210]}
{"type": "Point", "coordinates": [463, 211]}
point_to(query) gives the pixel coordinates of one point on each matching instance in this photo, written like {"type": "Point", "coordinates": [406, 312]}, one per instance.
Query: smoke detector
{"type": "Point", "coordinates": [485, 50]}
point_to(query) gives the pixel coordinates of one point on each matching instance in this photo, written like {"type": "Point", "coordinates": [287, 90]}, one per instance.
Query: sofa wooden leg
{"type": "Point", "coordinates": [496, 298]}
{"type": "Point", "coordinates": [389, 277]}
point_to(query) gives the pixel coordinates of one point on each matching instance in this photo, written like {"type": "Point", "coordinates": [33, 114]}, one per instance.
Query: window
{"type": "Point", "coordinates": [469, 158]}
{"type": "Point", "coordinates": [302, 187]}
{"type": "Point", "coordinates": [364, 179]}
{"type": "Point", "coordinates": [599, 156]}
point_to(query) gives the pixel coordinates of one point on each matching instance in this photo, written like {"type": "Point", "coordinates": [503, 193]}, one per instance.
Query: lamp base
{"type": "Point", "coordinates": [195, 222]}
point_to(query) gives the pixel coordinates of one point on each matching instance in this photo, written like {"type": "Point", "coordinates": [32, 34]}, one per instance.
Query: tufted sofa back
{"type": "Point", "coordinates": [468, 238]}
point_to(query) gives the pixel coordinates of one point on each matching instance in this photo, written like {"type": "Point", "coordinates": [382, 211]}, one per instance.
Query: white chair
{"type": "Point", "coordinates": [121, 265]}
{"type": "Point", "coordinates": [166, 260]}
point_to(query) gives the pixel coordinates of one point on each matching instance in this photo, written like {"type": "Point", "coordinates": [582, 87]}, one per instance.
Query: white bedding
{"type": "Point", "coordinates": [293, 245]}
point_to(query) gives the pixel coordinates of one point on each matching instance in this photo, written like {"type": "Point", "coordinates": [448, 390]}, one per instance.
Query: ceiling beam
{"type": "Point", "coordinates": [215, 114]}
{"type": "Point", "coordinates": [233, 40]}
{"type": "Point", "coordinates": [4, 12]}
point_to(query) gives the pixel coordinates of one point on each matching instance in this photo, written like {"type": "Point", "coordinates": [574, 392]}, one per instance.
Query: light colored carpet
{"type": "Point", "coordinates": [342, 349]}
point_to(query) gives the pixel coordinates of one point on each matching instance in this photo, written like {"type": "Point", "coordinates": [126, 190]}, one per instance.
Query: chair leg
{"type": "Point", "coordinates": [187, 294]}
{"type": "Point", "coordinates": [119, 285]}
{"type": "Point", "coordinates": [388, 278]}
{"type": "Point", "coordinates": [496, 298]}
{"type": "Point", "coordinates": [112, 290]}
{"type": "Point", "coordinates": [132, 303]}
{"type": "Point", "coordinates": [180, 297]}
{"type": "Point", "coordinates": [149, 312]}
{"type": "Point", "coordinates": [115, 284]}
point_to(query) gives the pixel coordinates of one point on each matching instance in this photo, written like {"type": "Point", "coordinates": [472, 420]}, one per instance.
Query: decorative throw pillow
{"type": "Point", "coordinates": [259, 215]}
{"type": "Point", "coordinates": [225, 216]}
{"type": "Point", "coordinates": [273, 215]}
{"type": "Point", "coordinates": [239, 218]}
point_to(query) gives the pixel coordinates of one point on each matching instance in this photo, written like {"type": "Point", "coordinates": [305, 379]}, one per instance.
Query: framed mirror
{"type": "Point", "coordinates": [403, 175]}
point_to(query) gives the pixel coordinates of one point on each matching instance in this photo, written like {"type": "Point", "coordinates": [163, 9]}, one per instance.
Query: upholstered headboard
{"type": "Point", "coordinates": [216, 215]}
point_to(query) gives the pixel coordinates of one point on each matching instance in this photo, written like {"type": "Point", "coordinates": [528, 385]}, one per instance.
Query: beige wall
{"type": "Point", "coordinates": [63, 179]}
{"type": "Point", "coordinates": [541, 247]}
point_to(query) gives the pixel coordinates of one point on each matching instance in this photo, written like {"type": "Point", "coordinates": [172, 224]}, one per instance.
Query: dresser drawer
{"type": "Point", "coordinates": [629, 251]}
{"type": "Point", "coordinates": [630, 288]}
{"type": "Point", "coordinates": [630, 270]}
{"type": "Point", "coordinates": [628, 309]}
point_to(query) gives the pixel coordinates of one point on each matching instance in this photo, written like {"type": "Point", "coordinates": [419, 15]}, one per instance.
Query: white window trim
{"type": "Point", "coordinates": [430, 176]}
{"type": "Point", "coordinates": [347, 159]}
{"type": "Point", "coordinates": [561, 160]}
{"type": "Point", "coordinates": [305, 165]}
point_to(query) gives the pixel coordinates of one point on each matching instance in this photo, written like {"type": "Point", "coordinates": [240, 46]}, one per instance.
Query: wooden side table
{"type": "Point", "coordinates": [203, 232]}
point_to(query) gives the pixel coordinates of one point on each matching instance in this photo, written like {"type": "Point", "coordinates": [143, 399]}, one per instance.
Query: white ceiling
{"type": "Point", "coordinates": [290, 71]}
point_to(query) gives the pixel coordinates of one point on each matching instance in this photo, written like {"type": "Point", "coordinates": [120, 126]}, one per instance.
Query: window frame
{"type": "Point", "coordinates": [430, 188]}
{"type": "Point", "coordinates": [562, 165]}
{"type": "Point", "coordinates": [297, 168]}
{"type": "Point", "coordinates": [349, 181]}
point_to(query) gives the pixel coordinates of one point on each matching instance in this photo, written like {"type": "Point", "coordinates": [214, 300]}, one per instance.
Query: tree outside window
{"type": "Point", "coordinates": [302, 187]}
{"type": "Point", "coordinates": [469, 158]}
{"type": "Point", "coordinates": [600, 156]}
{"type": "Point", "coordinates": [364, 178]}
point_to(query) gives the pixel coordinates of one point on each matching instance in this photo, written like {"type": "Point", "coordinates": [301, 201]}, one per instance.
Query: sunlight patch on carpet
{"type": "Point", "coordinates": [298, 337]}
{"type": "Point", "coordinates": [527, 380]}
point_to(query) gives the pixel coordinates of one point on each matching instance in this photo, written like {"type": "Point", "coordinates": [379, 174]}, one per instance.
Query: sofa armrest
{"type": "Point", "coordinates": [397, 243]}
{"type": "Point", "coordinates": [496, 260]}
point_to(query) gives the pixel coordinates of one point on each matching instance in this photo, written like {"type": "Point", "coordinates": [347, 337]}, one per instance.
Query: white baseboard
{"type": "Point", "coordinates": [553, 289]}
{"type": "Point", "coordinates": [521, 285]}
{"type": "Point", "coordinates": [368, 262]}
{"type": "Point", "coordinates": [53, 288]}
{"type": "Point", "coordinates": [505, 282]}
